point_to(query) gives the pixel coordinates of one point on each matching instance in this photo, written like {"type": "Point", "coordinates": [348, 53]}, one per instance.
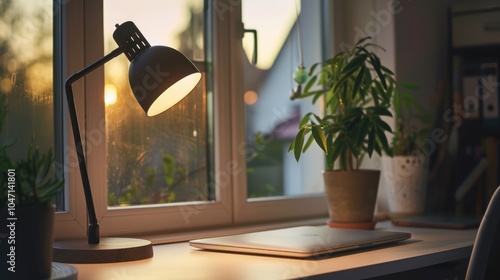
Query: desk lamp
{"type": "Point", "coordinates": [159, 77]}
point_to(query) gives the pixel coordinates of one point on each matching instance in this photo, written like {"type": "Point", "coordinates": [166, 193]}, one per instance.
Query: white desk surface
{"type": "Point", "coordinates": [180, 261]}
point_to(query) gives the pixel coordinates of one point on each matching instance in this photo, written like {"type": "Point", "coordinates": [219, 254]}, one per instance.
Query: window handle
{"type": "Point", "coordinates": [254, 32]}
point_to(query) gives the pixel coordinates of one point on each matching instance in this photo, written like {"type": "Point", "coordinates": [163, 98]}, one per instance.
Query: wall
{"type": "Point", "coordinates": [421, 50]}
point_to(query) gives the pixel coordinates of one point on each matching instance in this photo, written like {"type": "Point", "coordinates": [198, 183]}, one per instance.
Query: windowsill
{"type": "Point", "coordinates": [174, 237]}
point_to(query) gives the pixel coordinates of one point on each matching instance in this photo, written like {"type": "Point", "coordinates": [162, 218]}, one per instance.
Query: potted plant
{"type": "Point", "coordinates": [404, 174]}
{"type": "Point", "coordinates": [27, 189]}
{"type": "Point", "coordinates": [356, 92]}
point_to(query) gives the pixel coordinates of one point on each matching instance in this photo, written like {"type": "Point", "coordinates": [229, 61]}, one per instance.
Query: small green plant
{"type": "Point", "coordinates": [35, 183]}
{"type": "Point", "coordinates": [356, 90]}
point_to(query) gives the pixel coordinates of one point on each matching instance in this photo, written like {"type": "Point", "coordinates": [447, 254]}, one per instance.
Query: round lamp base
{"type": "Point", "coordinates": [109, 250]}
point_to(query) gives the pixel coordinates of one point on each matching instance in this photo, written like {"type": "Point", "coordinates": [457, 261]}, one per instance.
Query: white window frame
{"type": "Point", "coordinates": [83, 44]}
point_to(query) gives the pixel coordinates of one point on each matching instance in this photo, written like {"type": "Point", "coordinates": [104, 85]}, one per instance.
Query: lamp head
{"type": "Point", "coordinates": [159, 76]}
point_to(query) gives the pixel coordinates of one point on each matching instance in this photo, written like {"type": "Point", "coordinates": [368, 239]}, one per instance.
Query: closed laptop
{"type": "Point", "coordinates": [305, 241]}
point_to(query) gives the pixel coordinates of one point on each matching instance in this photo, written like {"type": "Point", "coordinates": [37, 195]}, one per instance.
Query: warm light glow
{"type": "Point", "coordinates": [250, 97]}
{"type": "Point", "coordinates": [174, 94]}
{"type": "Point", "coordinates": [110, 94]}
{"type": "Point", "coordinates": [178, 19]}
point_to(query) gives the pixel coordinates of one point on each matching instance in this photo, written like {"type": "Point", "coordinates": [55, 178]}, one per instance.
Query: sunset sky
{"type": "Point", "coordinates": [160, 21]}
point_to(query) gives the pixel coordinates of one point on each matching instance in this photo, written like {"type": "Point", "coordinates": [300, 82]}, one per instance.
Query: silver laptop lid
{"type": "Point", "coordinates": [303, 241]}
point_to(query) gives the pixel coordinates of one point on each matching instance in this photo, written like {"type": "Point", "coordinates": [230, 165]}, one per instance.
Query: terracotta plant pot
{"type": "Point", "coordinates": [351, 197]}
{"type": "Point", "coordinates": [29, 248]}
{"type": "Point", "coordinates": [406, 184]}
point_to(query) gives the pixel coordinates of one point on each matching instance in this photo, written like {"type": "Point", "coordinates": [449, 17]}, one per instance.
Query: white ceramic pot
{"type": "Point", "coordinates": [405, 180]}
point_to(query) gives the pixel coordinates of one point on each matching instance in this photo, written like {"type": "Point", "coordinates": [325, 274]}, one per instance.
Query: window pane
{"type": "Point", "coordinates": [162, 159]}
{"type": "Point", "coordinates": [260, 15]}
{"type": "Point", "coordinates": [26, 69]}
{"type": "Point", "coordinates": [272, 119]}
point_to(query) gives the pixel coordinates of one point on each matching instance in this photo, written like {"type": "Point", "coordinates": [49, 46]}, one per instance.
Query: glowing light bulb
{"type": "Point", "coordinates": [110, 94]}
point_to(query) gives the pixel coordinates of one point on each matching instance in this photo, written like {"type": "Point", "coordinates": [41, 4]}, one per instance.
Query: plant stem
{"type": "Point", "coordinates": [350, 166]}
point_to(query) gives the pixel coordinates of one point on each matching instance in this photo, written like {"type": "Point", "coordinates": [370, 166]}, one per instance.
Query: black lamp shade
{"type": "Point", "coordinates": [160, 77]}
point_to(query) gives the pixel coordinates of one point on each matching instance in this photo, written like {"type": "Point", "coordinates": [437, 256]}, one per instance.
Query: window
{"type": "Point", "coordinates": [277, 186]}
{"type": "Point", "coordinates": [163, 159]}
{"type": "Point", "coordinates": [26, 83]}
{"type": "Point", "coordinates": [187, 168]}
{"type": "Point", "coordinates": [272, 118]}
{"type": "Point", "coordinates": [26, 74]}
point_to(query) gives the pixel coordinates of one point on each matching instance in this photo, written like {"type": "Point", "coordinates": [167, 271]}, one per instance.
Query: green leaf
{"type": "Point", "coordinates": [338, 148]}
{"type": "Point", "coordinates": [292, 145]}
{"type": "Point", "coordinates": [324, 76]}
{"type": "Point", "coordinates": [318, 95]}
{"type": "Point", "coordinates": [383, 125]}
{"type": "Point", "coordinates": [319, 137]}
{"type": "Point", "coordinates": [305, 120]}
{"type": "Point", "coordinates": [335, 66]}
{"type": "Point", "coordinates": [390, 79]}
{"type": "Point", "coordinates": [373, 45]}
{"type": "Point", "coordinates": [363, 40]}
{"type": "Point", "coordinates": [309, 85]}
{"type": "Point", "coordinates": [354, 64]}
{"type": "Point", "coordinates": [377, 148]}
{"type": "Point", "coordinates": [313, 67]}
{"type": "Point", "coordinates": [330, 151]}
{"type": "Point", "coordinates": [354, 113]}
{"type": "Point", "coordinates": [386, 70]}
{"type": "Point", "coordinates": [359, 79]}
{"type": "Point", "coordinates": [383, 140]}
{"type": "Point", "coordinates": [377, 66]}
{"type": "Point", "coordinates": [381, 111]}
{"type": "Point", "coordinates": [355, 149]}
{"type": "Point", "coordinates": [308, 143]}
{"type": "Point", "coordinates": [318, 119]}
{"type": "Point", "coordinates": [362, 130]}
{"type": "Point", "coordinates": [332, 102]}
{"type": "Point", "coordinates": [311, 93]}
{"type": "Point", "coordinates": [329, 118]}
{"type": "Point", "coordinates": [378, 87]}
{"type": "Point", "coordinates": [299, 142]}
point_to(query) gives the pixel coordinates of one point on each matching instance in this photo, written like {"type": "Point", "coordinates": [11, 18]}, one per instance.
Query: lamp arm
{"type": "Point", "coordinates": [93, 227]}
